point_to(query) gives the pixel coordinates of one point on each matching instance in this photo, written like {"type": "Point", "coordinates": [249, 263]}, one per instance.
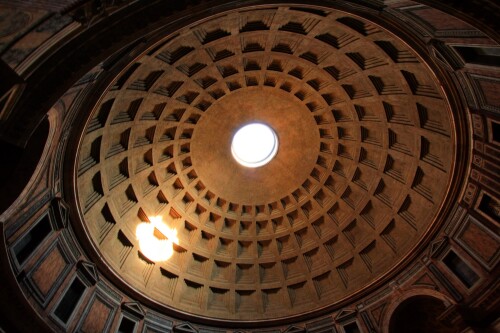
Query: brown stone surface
{"type": "Point", "coordinates": [491, 91]}
{"type": "Point", "coordinates": [480, 242]}
{"type": "Point", "coordinates": [435, 18]}
{"type": "Point", "coordinates": [49, 270]}
{"type": "Point", "coordinates": [96, 317]}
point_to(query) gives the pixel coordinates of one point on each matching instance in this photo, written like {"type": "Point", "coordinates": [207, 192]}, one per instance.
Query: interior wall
{"type": "Point", "coordinates": [42, 257]}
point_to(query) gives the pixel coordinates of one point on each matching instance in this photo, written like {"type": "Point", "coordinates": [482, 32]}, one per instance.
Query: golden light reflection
{"type": "Point", "coordinates": [156, 239]}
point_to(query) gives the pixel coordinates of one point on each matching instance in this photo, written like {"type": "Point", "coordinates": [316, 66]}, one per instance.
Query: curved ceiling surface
{"type": "Point", "coordinates": [366, 152]}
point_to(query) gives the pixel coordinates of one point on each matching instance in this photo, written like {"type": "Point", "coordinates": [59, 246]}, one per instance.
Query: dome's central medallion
{"type": "Point", "coordinates": [226, 154]}
{"type": "Point", "coordinates": [254, 145]}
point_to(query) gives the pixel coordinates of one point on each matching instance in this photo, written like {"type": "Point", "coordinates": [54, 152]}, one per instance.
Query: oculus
{"type": "Point", "coordinates": [254, 145]}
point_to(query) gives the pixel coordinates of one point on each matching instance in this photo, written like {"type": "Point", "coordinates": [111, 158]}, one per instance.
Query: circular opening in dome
{"type": "Point", "coordinates": [254, 145]}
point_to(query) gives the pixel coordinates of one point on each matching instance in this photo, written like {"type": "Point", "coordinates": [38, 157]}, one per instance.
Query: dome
{"type": "Point", "coordinates": [365, 159]}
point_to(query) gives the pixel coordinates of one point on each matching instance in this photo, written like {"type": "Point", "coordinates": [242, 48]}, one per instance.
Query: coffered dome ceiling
{"type": "Point", "coordinates": [366, 154]}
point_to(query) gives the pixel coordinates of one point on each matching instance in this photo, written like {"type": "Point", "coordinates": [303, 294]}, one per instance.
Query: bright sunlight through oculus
{"type": "Point", "coordinates": [254, 145]}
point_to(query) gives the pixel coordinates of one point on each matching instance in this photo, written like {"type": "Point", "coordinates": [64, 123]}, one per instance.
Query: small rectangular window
{"type": "Point", "coordinates": [488, 56]}
{"type": "Point", "coordinates": [69, 301]}
{"type": "Point", "coordinates": [490, 207]}
{"type": "Point", "coordinates": [460, 269]}
{"type": "Point", "coordinates": [32, 239]}
{"type": "Point", "coordinates": [126, 326]}
{"type": "Point", "coordinates": [352, 328]}
{"type": "Point", "coordinates": [495, 131]}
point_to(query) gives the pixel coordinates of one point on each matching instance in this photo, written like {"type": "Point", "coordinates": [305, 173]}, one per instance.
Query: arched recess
{"type": "Point", "coordinates": [417, 311]}
{"type": "Point", "coordinates": [21, 167]}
